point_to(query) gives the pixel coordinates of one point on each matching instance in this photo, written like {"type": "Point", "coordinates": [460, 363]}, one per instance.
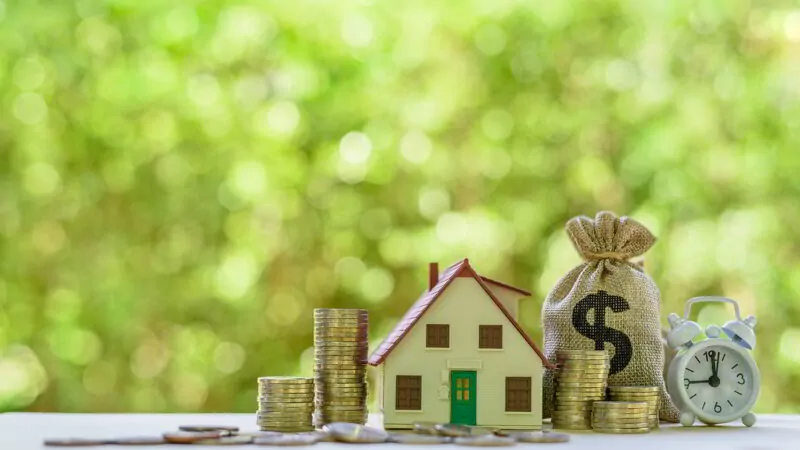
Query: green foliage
{"type": "Point", "coordinates": [183, 182]}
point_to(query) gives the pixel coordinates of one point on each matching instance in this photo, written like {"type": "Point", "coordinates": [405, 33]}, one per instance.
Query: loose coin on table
{"type": "Point", "coordinates": [226, 440]}
{"type": "Point", "coordinates": [487, 440]}
{"type": "Point", "coordinates": [188, 437]}
{"type": "Point", "coordinates": [139, 440]}
{"type": "Point", "coordinates": [74, 442]}
{"type": "Point", "coordinates": [425, 428]}
{"type": "Point", "coordinates": [458, 430]}
{"type": "Point", "coordinates": [418, 439]}
{"type": "Point", "coordinates": [355, 434]}
{"type": "Point", "coordinates": [208, 428]}
{"type": "Point", "coordinates": [287, 440]}
{"type": "Point", "coordinates": [539, 437]}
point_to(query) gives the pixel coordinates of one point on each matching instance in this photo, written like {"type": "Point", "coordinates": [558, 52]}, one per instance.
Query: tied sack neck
{"type": "Point", "coordinates": [608, 237]}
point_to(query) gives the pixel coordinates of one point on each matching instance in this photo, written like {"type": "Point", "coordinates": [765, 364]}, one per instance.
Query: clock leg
{"type": "Point", "coordinates": [749, 419]}
{"type": "Point", "coordinates": [687, 419]}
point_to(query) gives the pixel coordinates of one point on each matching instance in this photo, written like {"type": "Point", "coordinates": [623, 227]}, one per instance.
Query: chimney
{"type": "Point", "coordinates": [433, 275]}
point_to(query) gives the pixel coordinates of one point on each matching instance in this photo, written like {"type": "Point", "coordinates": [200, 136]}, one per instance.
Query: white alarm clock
{"type": "Point", "coordinates": [715, 380]}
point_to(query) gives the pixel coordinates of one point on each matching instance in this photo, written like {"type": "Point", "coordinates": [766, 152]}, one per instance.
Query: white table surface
{"type": "Point", "coordinates": [25, 431]}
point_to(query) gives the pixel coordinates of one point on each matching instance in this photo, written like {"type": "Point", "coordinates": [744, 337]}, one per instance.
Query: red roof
{"type": "Point", "coordinates": [412, 316]}
{"type": "Point", "coordinates": [507, 286]}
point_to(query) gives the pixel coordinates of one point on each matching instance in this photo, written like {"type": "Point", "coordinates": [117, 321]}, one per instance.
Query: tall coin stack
{"type": "Point", "coordinates": [648, 394]}
{"type": "Point", "coordinates": [285, 404]}
{"type": "Point", "coordinates": [620, 417]}
{"type": "Point", "coordinates": [581, 380]}
{"type": "Point", "coordinates": [340, 365]}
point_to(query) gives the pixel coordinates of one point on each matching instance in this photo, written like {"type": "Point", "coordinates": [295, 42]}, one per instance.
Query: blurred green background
{"type": "Point", "coordinates": [181, 183]}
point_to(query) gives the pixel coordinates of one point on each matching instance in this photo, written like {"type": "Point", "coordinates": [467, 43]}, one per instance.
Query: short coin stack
{"type": "Point", "coordinates": [581, 380]}
{"type": "Point", "coordinates": [620, 417]}
{"type": "Point", "coordinates": [340, 365]}
{"type": "Point", "coordinates": [649, 394]}
{"type": "Point", "coordinates": [285, 404]}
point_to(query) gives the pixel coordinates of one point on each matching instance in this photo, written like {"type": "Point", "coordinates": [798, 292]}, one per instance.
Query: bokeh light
{"type": "Point", "coordinates": [182, 183]}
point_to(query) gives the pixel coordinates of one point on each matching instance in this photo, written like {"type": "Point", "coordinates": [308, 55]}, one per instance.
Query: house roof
{"type": "Point", "coordinates": [412, 316]}
{"type": "Point", "coordinates": [507, 286]}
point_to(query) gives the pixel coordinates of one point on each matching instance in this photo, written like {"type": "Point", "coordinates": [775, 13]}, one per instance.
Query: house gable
{"type": "Point", "coordinates": [461, 269]}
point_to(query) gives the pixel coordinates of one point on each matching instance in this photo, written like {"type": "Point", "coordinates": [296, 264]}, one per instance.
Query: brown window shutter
{"type": "Point", "coordinates": [490, 336]}
{"type": "Point", "coordinates": [518, 394]}
{"type": "Point", "coordinates": [437, 336]}
{"type": "Point", "coordinates": [408, 394]}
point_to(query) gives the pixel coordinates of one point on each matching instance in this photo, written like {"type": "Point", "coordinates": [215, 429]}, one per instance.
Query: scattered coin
{"type": "Point", "coordinates": [488, 440]}
{"type": "Point", "coordinates": [458, 430]}
{"type": "Point", "coordinates": [539, 437]}
{"type": "Point", "coordinates": [188, 437]}
{"type": "Point", "coordinates": [139, 440]}
{"type": "Point", "coordinates": [208, 428]}
{"type": "Point", "coordinates": [74, 442]}
{"type": "Point", "coordinates": [425, 428]}
{"type": "Point", "coordinates": [287, 440]}
{"type": "Point", "coordinates": [226, 440]}
{"type": "Point", "coordinates": [418, 439]}
{"type": "Point", "coordinates": [355, 434]}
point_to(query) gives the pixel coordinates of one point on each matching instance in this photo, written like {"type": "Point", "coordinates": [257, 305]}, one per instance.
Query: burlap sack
{"type": "Point", "coordinates": [608, 303]}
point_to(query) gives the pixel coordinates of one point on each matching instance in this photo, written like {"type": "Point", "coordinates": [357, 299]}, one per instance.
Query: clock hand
{"type": "Point", "coordinates": [714, 380]}
{"type": "Point", "coordinates": [699, 381]}
{"type": "Point", "coordinates": [714, 364]}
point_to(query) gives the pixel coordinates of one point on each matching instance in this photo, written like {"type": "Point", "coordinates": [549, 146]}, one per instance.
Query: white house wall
{"type": "Point", "coordinates": [508, 297]}
{"type": "Point", "coordinates": [464, 305]}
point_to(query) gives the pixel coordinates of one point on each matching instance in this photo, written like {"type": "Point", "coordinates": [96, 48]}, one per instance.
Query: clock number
{"type": "Point", "coordinates": [706, 355]}
{"type": "Point", "coordinates": [717, 408]}
{"type": "Point", "coordinates": [686, 383]}
{"type": "Point", "coordinates": [740, 377]}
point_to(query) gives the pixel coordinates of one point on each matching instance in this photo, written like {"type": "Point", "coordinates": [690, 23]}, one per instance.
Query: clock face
{"type": "Point", "coordinates": [719, 382]}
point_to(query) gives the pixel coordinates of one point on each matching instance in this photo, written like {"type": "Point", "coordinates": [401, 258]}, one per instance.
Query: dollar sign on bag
{"type": "Point", "coordinates": [598, 331]}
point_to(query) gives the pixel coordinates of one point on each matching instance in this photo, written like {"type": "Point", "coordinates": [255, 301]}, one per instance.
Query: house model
{"type": "Point", "coordinates": [459, 356]}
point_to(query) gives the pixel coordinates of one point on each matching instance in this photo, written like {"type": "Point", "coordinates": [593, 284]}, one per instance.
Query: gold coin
{"type": "Point", "coordinates": [581, 351]}
{"type": "Point", "coordinates": [341, 387]}
{"type": "Point", "coordinates": [622, 430]}
{"type": "Point", "coordinates": [285, 380]}
{"type": "Point", "coordinates": [621, 405]}
{"type": "Point", "coordinates": [650, 389]}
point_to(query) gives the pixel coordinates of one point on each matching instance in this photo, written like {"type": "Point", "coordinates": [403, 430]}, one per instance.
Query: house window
{"type": "Point", "coordinates": [409, 392]}
{"type": "Point", "coordinates": [490, 336]}
{"type": "Point", "coordinates": [438, 336]}
{"type": "Point", "coordinates": [518, 394]}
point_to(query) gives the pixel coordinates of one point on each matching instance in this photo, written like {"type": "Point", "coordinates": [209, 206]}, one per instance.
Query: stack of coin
{"type": "Point", "coordinates": [580, 380]}
{"type": "Point", "coordinates": [621, 417]}
{"type": "Point", "coordinates": [649, 394]}
{"type": "Point", "coordinates": [340, 365]}
{"type": "Point", "coordinates": [285, 404]}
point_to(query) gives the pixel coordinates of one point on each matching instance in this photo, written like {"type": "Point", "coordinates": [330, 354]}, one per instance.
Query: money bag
{"type": "Point", "coordinates": [608, 303]}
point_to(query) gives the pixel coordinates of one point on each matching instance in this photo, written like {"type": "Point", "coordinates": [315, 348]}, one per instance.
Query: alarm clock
{"type": "Point", "coordinates": [714, 380]}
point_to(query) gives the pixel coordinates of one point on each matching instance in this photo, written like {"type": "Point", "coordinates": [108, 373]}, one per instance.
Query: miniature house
{"type": "Point", "coordinates": [459, 356]}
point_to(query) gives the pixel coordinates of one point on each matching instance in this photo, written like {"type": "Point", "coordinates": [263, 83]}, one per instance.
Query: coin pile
{"type": "Point", "coordinates": [621, 417]}
{"type": "Point", "coordinates": [340, 365]}
{"type": "Point", "coordinates": [649, 394]}
{"type": "Point", "coordinates": [580, 380]}
{"type": "Point", "coordinates": [285, 404]}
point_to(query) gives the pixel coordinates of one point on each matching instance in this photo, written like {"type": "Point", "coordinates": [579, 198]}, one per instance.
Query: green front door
{"type": "Point", "coordinates": [463, 405]}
